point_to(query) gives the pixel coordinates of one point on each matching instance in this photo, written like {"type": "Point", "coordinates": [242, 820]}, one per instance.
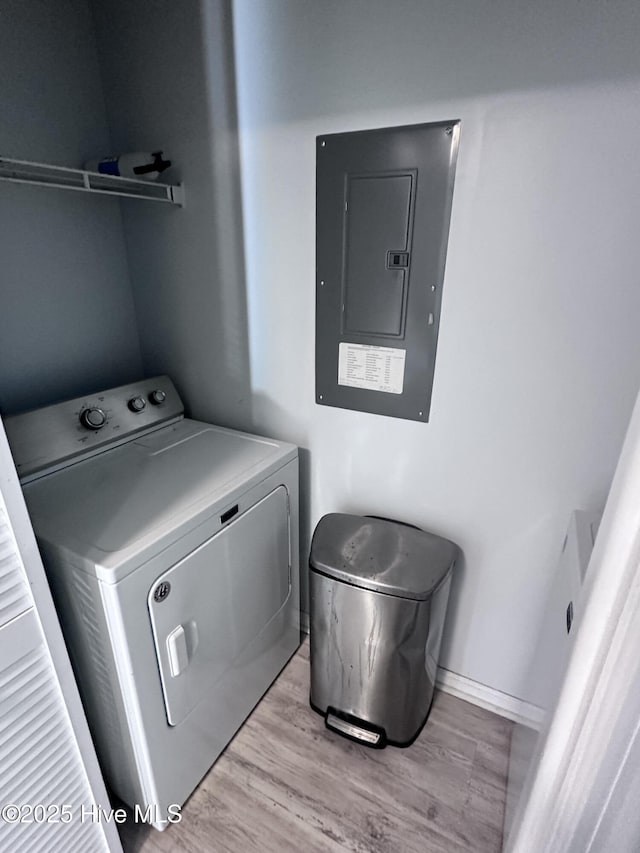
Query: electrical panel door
{"type": "Point", "coordinates": [383, 207]}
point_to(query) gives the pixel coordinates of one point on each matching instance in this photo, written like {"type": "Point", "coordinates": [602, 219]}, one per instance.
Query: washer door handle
{"type": "Point", "coordinates": [177, 651]}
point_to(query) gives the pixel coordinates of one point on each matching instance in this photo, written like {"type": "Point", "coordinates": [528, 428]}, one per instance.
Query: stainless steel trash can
{"type": "Point", "coordinates": [379, 592]}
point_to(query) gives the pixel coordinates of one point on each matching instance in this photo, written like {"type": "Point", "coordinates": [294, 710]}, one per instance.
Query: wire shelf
{"type": "Point", "coordinates": [62, 177]}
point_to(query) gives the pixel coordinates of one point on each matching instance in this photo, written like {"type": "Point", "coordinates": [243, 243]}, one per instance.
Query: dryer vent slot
{"type": "Point", "coordinates": [228, 515]}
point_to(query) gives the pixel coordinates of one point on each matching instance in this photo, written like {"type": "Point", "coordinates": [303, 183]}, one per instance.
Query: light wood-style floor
{"type": "Point", "coordinates": [286, 783]}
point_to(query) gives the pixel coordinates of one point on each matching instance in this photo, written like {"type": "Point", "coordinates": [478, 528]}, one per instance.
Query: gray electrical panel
{"type": "Point", "coordinates": [383, 203]}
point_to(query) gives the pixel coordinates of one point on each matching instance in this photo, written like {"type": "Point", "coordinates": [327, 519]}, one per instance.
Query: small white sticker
{"type": "Point", "coordinates": [374, 368]}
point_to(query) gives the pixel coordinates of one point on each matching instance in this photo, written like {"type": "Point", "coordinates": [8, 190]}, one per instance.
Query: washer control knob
{"type": "Point", "coordinates": [157, 397]}
{"type": "Point", "coordinates": [93, 418]}
{"type": "Point", "coordinates": [137, 404]}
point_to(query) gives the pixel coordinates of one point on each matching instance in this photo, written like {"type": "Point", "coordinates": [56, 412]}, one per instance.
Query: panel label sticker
{"type": "Point", "coordinates": [373, 368]}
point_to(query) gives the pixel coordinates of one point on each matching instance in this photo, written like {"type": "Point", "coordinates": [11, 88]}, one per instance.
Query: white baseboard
{"type": "Point", "coordinates": [487, 697]}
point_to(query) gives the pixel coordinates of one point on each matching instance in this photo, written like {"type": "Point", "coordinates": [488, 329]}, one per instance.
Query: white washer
{"type": "Point", "coordinates": [171, 547]}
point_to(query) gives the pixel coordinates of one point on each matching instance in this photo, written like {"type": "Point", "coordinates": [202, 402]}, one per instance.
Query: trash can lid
{"type": "Point", "coordinates": [380, 555]}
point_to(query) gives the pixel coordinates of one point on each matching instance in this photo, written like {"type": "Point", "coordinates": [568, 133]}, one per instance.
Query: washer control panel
{"type": "Point", "coordinates": [56, 435]}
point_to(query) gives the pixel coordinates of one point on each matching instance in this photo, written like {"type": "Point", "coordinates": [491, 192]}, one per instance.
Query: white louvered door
{"type": "Point", "coordinates": [15, 596]}
{"type": "Point", "coordinates": [55, 787]}
{"type": "Point", "coordinates": [40, 766]}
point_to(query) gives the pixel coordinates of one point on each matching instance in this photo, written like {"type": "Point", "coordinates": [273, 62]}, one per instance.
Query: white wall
{"type": "Point", "coordinates": [169, 84]}
{"type": "Point", "coordinates": [67, 319]}
{"type": "Point", "coordinates": [539, 353]}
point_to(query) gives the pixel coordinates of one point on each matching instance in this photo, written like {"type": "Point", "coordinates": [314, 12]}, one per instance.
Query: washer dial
{"type": "Point", "coordinates": [93, 418]}
{"type": "Point", "coordinates": [137, 404]}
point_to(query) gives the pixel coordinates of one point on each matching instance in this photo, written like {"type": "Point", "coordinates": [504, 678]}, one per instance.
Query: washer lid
{"type": "Point", "coordinates": [118, 508]}
{"type": "Point", "coordinates": [380, 555]}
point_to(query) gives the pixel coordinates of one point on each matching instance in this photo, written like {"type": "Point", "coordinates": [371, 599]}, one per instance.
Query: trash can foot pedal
{"type": "Point", "coordinates": [355, 729]}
